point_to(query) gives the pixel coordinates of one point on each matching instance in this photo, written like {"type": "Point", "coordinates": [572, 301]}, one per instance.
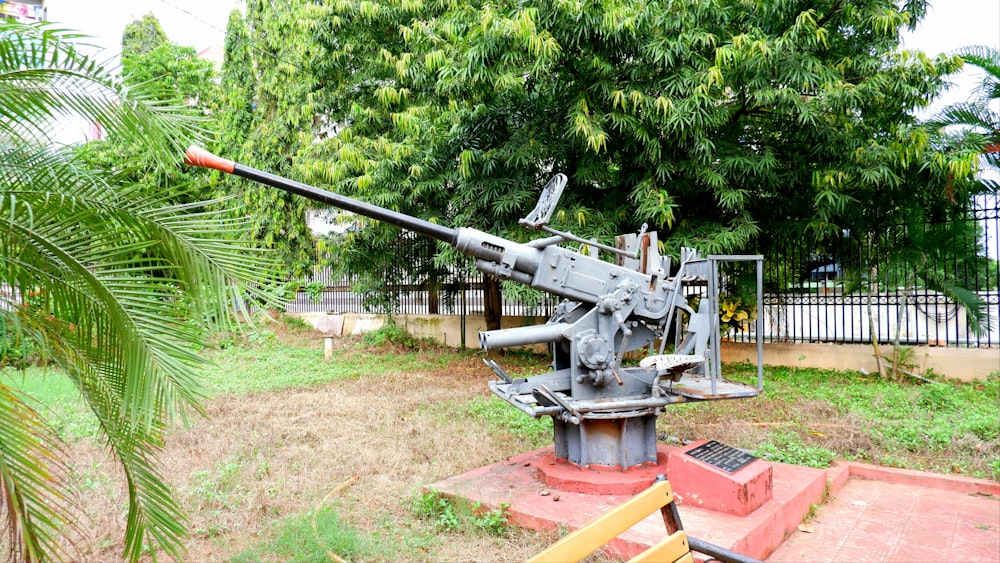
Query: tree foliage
{"type": "Point", "coordinates": [142, 36]}
{"type": "Point", "coordinates": [238, 85]}
{"type": "Point", "coordinates": [269, 115]}
{"type": "Point", "coordinates": [170, 74]}
{"type": "Point", "coordinates": [725, 125]}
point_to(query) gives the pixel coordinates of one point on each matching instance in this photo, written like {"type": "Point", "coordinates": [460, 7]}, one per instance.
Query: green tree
{"type": "Point", "coordinates": [270, 117]}
{"type": "Point", "coordinates": [914, 255]}
{"type": "Point", "coordinates": [238, 86]}
{"type": "Point", "coordinates": [725, 125]}
{"type": "Point", "coordinates": [979, 125]}
{"type": "Point", "coordinates": [177, 73]}
{"type": "Point", "coordinates": [933, 231]}
{"type": "Point", "coordinates": [116, 286]}
{"type": "Point", "coordinates": [170, 74]}
{"type": "Point", "coordinates": [142, 36]}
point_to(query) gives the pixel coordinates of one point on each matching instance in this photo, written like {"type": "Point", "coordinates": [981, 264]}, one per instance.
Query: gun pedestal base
{"type": "Point", "coordinates": [524, 485]}
{"type": "Point", "coordinates": [617, 443]}
{"type": "Point", "coordinates": [561, 475]}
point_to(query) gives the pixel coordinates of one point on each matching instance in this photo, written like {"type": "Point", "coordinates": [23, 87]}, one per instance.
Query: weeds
{"type": "Point", "coordinates": [320, 535]}
{"type": "Point", "coordinates": [502, 418]}
{"type": "Point", "coordinates": [296, 323]}
{"type": "Point", "coordinates": [217, 488]}
{"type": "Point", "coordinates": [16, 350]}
{"type": "Point", "coordinates": [787, 447]}
{"type": "Point", "coordinates": [950, 427]}
{"type": "Point", "coordinates": [392, 333]}
{"type": "Point", "coordinates": [447, 514]}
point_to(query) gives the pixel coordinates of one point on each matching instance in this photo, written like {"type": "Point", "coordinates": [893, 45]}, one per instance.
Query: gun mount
{"type": "Point", "coordinates": [604, 412]}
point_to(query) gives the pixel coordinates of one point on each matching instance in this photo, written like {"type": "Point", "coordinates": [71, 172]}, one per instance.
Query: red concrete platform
{"type": "Point", "coordinates": [873, 513]}
{"type": "Point", "coordinates": [536, 505]}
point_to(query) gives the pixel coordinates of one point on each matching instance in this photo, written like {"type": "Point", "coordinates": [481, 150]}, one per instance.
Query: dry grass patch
{"type": "Point", "coordinates": [366, 446]}
{"type": "Point", "coordinates": [748, 423]}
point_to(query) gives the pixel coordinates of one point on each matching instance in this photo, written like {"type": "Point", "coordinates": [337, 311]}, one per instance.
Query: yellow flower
{"type": "Point", "coordinates": [732, 311]}
{"type": "Point", "coordinates": [728, 310]}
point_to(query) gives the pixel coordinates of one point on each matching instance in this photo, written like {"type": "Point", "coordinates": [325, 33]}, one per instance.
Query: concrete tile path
{"type": "Point", "coordinates": [882, 521]}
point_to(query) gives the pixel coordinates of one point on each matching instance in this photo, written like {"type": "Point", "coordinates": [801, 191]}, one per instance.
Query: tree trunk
{"type": "Point", "coordinates": [873, 326]}
{"type": "Point", "coordinates": [433, 296]}
{"type": "Point", "coordinates": [896, 351]}
{"type": "Point", "coordinates": [492, 302]}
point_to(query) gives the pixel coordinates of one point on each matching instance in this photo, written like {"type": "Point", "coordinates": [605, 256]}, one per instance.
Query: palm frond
{"type": "Point", "coordinates": [975, 115]}
{"type": "Point", "coordinates": [125, 289]}
{"type": "Point", "coordinates": [32, 506]}
{"type": "Point", "coordinates": [45, 79]}
{"type": "Point", "coordinates": [988, 59]}
{"type": "Point", "coordinates": [977, 311]}
{"type": "Point", "coordinates": [124, 285]}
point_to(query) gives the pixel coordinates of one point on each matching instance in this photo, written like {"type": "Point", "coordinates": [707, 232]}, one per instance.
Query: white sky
{"type": "Point", "coordinates": [194, 23]}
{"type": "Point", "coordinates": [951, 24]}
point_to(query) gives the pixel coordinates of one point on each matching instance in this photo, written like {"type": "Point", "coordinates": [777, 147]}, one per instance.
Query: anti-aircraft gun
{"type": "Point", "coordinates": [604, 412]}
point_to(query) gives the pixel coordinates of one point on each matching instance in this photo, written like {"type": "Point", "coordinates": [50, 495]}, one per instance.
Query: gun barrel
{"type": "Point", "coordinates": [522, 336]}
{"type": "Point", "coordinates": [196, 156]}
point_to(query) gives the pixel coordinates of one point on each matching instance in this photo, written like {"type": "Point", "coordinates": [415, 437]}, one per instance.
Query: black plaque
{"type": "Point", "coordinates": [726, 458]}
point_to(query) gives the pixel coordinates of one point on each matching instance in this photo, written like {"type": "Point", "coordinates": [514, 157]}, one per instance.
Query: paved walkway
{"type": "Point", "coordinates": [881, 521]}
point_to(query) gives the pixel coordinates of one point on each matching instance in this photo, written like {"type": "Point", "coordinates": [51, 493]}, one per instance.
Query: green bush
{"type": "Point", "coordinates": [392, 333]}
{"type": "Point", "coordinates": [15, 349]}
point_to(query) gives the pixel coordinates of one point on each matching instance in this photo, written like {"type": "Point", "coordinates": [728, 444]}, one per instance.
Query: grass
{"type": "Point", "coordinates": [318, 535]}
{"type": "Point", "coordinates": [272, 365]}
{"type": "Point", "coordinates": [939, 427]}
{"type": "Point", "coordinates": [509, 422]}
{"type": "Point", "coordinates": [56, 397]}
{"type": "Point", "coordinates": [787, 447]}
{"type": "Point", "coordinates": [948, 427]}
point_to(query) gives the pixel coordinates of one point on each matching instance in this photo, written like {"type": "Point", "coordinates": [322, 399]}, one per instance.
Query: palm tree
{"type": "Point", "coordinates": [113, 285]}
{"type": "Point", "coordinates": [915, 247]}
{"type": "Point", "coordinates": [978, 121]}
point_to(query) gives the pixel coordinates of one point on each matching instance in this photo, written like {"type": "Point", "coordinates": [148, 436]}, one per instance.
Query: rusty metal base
{"type": "Point", "coordinates": [699, 388]}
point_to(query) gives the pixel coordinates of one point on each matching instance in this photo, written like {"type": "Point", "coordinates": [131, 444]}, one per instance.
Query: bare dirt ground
{"type": "Point", "coordinates": [368, 445]}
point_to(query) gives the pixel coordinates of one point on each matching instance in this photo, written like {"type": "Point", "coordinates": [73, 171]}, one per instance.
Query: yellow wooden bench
{"type": "Point", "coordinates": [586, 540]}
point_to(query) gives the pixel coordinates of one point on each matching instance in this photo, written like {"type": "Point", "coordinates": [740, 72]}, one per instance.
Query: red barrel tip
{"type": "Point", "coordinates": [197, 156]}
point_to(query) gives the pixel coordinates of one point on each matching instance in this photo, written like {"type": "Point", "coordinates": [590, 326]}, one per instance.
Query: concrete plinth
{"type": "Point", "coordinates": [700, 484]}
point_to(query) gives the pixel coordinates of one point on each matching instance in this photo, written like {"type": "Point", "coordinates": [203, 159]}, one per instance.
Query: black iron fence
{"type": "Point", "coordinates": [847, 293]}
{"type": "Point", "coordinates": [456, 294]}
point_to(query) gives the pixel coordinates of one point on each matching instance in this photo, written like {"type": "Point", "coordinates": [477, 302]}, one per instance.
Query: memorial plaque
{"type": "Point", "coordinates": [726, 458]}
